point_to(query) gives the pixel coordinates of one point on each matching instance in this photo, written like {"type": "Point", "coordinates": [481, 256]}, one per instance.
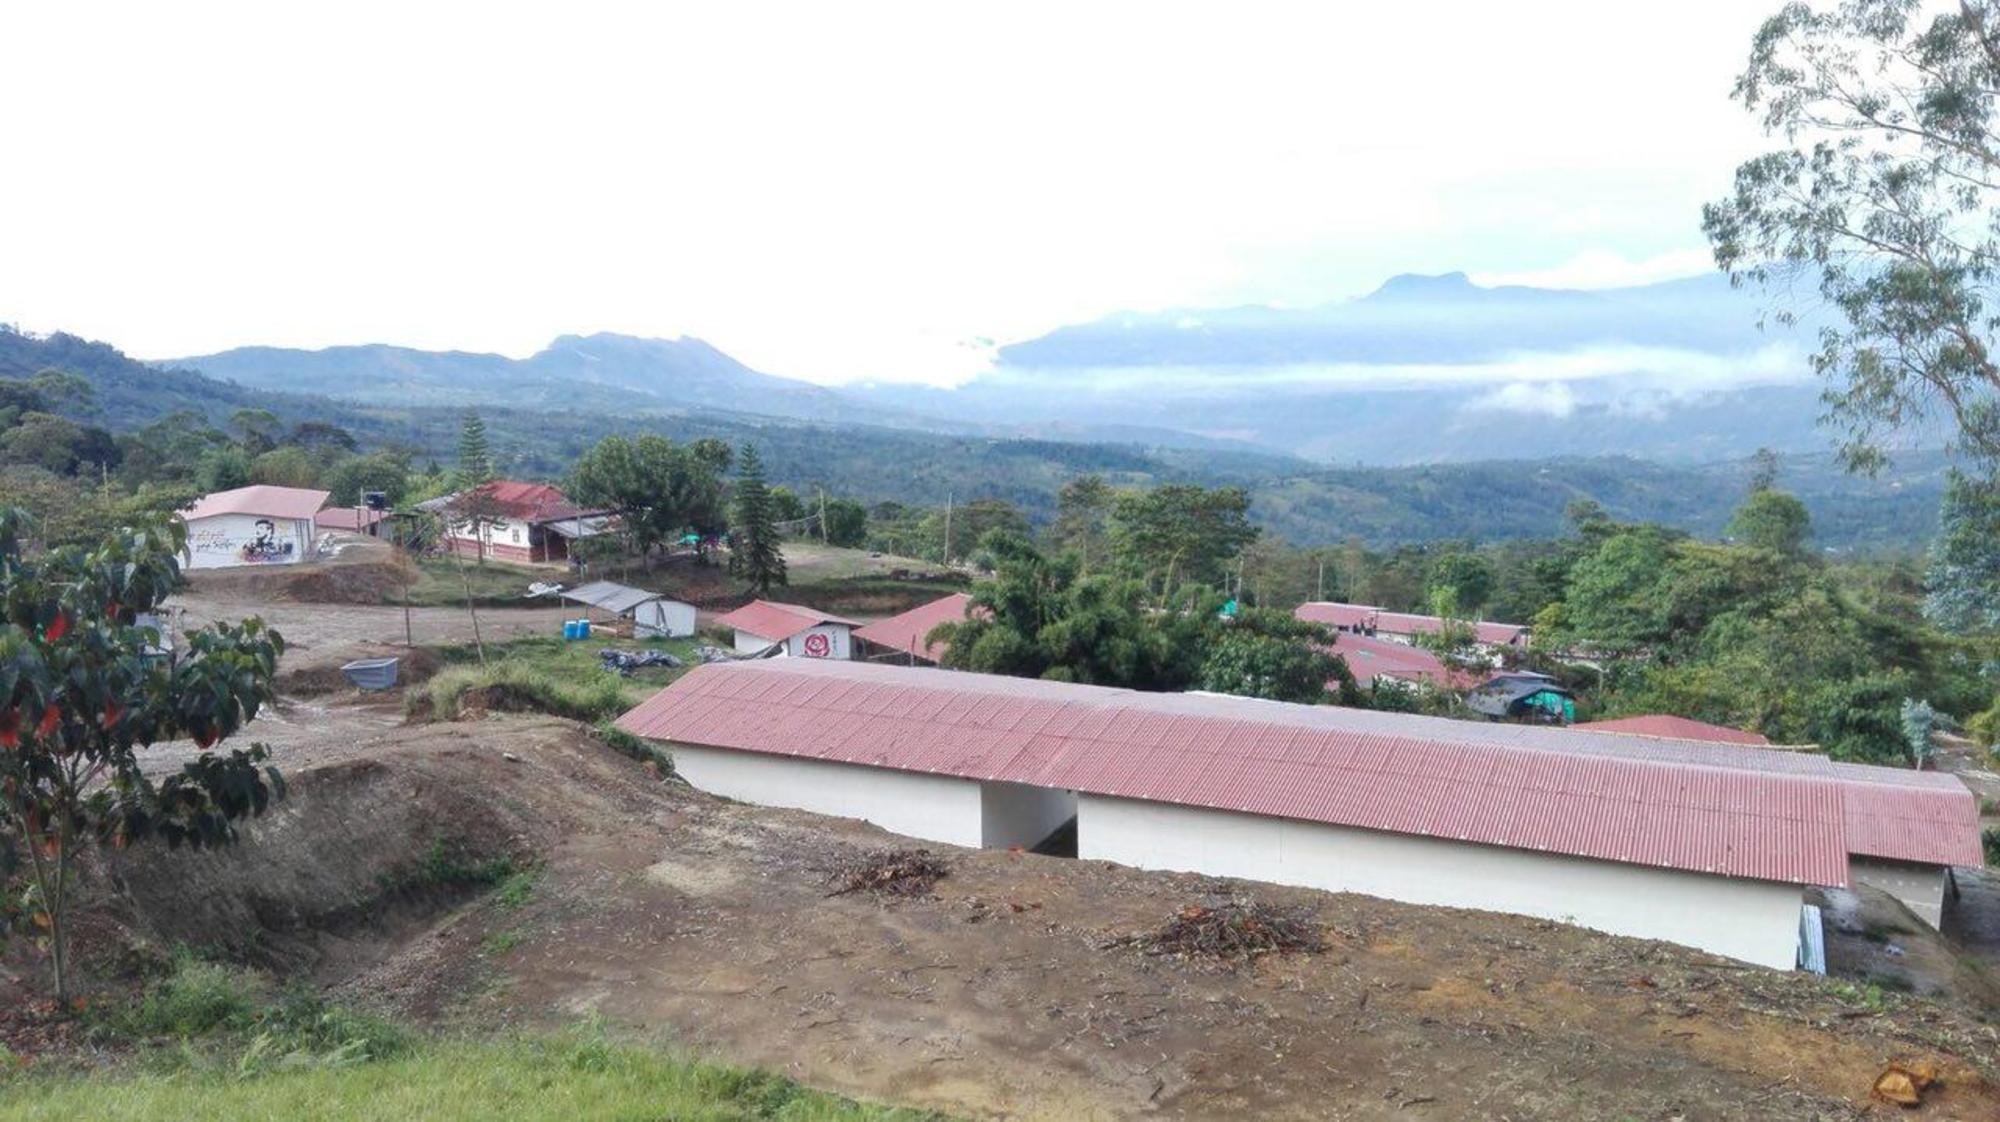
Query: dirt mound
{"type": "Point", "coordinates": [335, 582]}
{"type": "Point", "coordinates": [363, 847]}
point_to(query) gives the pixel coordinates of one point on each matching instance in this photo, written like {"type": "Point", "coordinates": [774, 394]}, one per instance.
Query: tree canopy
{"type": "Point", "coordinates": [1884, 193]}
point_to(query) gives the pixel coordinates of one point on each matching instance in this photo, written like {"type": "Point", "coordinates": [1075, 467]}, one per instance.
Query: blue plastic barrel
{"type": "Point", "coordinates": [569, 629]}
{"type": "Point", "coordinates": [583, 629]}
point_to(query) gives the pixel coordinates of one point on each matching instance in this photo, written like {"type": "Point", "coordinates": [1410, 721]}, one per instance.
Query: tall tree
{"type": "Point", "coordinates": [1083, 509]}
{"type": "Point", "coordinates": [1963, 582]}
{"type": "Point", "coordinates": [1773, 520]}
{"type": "Point", "coordinates": [1885, 192]}
{"type": "Point", "coordinates": [1180, 532]}
{"type": "Point", "coordinates": [79, 694]}
{"type": "Point", "coordinates": [660, 489]}
{"type": "Point", "coordinates": [754, 552]}
{"type": "Point", "coordinates": [475, 455]}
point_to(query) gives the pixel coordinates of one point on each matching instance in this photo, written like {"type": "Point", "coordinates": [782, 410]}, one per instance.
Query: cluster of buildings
{"type": "Point", "coordinates": [1657, 827]}
{"type": "Point", "coordinates": [523, 523]}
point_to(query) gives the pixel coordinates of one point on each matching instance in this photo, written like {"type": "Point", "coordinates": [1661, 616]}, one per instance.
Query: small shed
{"type": "Point", "coordinates": [803, 632]}
{"type": "Point", "coordinates": [256, 525]}
{"type": "Point", "coordinates": [653, 616]}
{"type": "Point", "coordinates": [906, 637]}
{"type": "Point", "coordinates": [1523, 695]}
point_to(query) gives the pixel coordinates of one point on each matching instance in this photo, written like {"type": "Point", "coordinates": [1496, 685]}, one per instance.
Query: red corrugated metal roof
{"type": "Point", "coordinates": [530, 502]}
{"type": "Point", "coordinates": [1530, 788]}
{"type": "Point", "coordinates": [1369, 658]}
{"type": "Point", "coordinates": [260, 499]}
{"type": "Point", "coordinates": [769, 619]}
{"type": "Point", "coordinates": [906, 632]}
{"type": "Point", "coordinates": [1677, 728]}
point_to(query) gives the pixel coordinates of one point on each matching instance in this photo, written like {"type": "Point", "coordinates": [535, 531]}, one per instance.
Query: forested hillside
{"type": "Point", "coordinates": [874, 463]}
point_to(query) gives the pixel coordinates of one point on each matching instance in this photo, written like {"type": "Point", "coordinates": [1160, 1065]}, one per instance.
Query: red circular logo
{"type": "Point", "coordinates": [818, 646]}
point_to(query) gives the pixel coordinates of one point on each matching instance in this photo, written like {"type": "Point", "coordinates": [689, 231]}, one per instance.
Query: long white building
{"type": "Point", "coordinates": [1705, 845]}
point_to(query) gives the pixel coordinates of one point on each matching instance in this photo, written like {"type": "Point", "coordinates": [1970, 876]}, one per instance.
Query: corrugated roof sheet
{"type": "Point", "coordinates": [1703, 807]}
{"type": "Point", "coordinates": [260, 498]}
{"type": "Point", "coordinates": [1677, 728]}
{"type": "Point", "coordinates": [775, 621]}
{"type": "Point", "coordinates": [1369, 658]}
{"type": "Point", "coordinates": [906, 632]}
{"type": "Point", "coordinates": [610, 596]}
{"type": "Point", "coordinates": [348, 518]}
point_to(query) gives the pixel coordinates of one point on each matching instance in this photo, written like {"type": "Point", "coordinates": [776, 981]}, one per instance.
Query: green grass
{"type": "Point", "coordinates": [561, 1080]}
{"type": "Point", "coordinates": [206, 1040]}
{"type": "Point", "coordinates": [445, 866]}
{"type": "Point", "coordinates": [548, 674]}
{"type": "Point", "coordinates": [436, 584]}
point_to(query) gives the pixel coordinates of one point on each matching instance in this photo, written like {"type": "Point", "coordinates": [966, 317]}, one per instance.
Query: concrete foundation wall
{"type": "Point", "coordinates": [1919, 887]}
{"type": "Point", "coordinates": [932, 807]}
{"type": "Point", "coordinates": [1014, 814]}
{"type": "Point", "coordinates": [1755, 921]}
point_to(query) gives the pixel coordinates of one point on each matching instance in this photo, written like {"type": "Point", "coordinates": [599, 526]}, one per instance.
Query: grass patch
{"type": "Point", "coordinates": [543, 674]}
{"type": "Point", "coordinates": [215, 1042]}
{"type": "Point", "coordinates": [577, 1075]}
{"type": "Point", "coordinates": [515, 890]}
{"type": "Point", "coordinates": [644, 751]}
{"type": "Point", "coordinates": [435, 584]}
{"type": "Point", "coordinates": [500, 942]}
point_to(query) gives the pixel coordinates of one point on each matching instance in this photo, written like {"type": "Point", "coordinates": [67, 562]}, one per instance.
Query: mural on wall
{"type": "Point", "coordinates": [818, 645]}
{"type": "Point", "coordinates": [265, 548]}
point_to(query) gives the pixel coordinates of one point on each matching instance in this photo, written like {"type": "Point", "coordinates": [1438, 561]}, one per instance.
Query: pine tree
{"type": "Point", "coordinates": [475, 457]}
{"type": "Point", "coordinates": [753, 536]}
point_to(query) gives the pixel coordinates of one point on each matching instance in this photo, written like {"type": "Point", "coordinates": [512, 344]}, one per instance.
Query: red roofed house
{"type": "Point", "coordinates": [257, 525]}
{"type": "Point", "coordinates": [802, 632]}
{"type": "Point", "coordinates": [1678, 728]}
{"type": "Point", "coordinates": [526, 523]}
{"type": "Point", "coordinates": [907, 635]}
{"type": "Point", "coordinates": [1374, 660]}
{"type": "Point", "coordinates": [1706, 845]}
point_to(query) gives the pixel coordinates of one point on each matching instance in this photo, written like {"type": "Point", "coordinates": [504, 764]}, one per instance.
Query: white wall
{"type": "Point", "coordinates": [839, 643]}
{"type": "Point", "coordinates": [222, 540]}
{"type": "Point", "coordinates": [1919, 887]}
{"type": "Point", "coordinates": [838, 636]}
{"type": "Point", "coordinates": [1756, 921]}
{"type": "Point", "coordinates": [1012, 814]}
{"type": "Point", "coordinates": [670, 618]}
{"type": "Point", "coordinates": [932, 807]}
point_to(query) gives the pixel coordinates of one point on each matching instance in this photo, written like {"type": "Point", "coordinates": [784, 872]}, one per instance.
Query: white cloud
{"type": "Point", "coordinates": [1600, 268]}
{"type": "Point", "coordinates": [1547, 399]}
{"type": "Point", "coordinates": [1666, 370]}
{"type": "Point", "coordinates": [837, 192]}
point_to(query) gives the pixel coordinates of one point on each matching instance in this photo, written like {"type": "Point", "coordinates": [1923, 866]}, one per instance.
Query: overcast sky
{"type": "Point", "coordinates": [833, 191]}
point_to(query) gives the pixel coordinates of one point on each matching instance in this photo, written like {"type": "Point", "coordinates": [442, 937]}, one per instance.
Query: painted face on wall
{"type": "Point", "coordinates": [265, 548]}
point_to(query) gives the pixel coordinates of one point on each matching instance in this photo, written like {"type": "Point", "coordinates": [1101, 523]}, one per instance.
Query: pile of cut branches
{"type": "Point", "coordinates": [1239, 929]}
{"type": "Point", "coordinates": [896, 872]}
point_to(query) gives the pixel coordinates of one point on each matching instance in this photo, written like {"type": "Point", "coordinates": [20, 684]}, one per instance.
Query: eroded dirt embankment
{"type": "Point", "coordinates": [686, 918]}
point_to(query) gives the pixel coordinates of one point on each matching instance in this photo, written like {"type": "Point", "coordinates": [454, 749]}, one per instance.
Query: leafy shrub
{"type": "Point", "coordinates": [449, 866]}
{"type": "Point", "coordinates": [194, 998]}
{"type": "Point", "coordinates": [1992, 839]}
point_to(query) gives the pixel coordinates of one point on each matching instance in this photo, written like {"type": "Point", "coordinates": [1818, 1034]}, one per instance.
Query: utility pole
{"type": "Point", "coordinates": [822, 517]}
{"type": "Point", "coordinates": [1319, 586]}
{"type": "Point", "coordinates": [947, 527]}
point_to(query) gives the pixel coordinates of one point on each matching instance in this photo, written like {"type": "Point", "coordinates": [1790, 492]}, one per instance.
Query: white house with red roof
{"type": "Point", "coordinates": [802, 632]}
{"type": "Point", "coordinates": [525, 523]}
{"type": "Point", "coordinates": [1707, 845]}
{"type": "Point", "coordinates": [255, 525]}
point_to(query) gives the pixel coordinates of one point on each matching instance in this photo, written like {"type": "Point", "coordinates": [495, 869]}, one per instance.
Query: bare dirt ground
{"type": "Point", "coordinates": [677, 916]}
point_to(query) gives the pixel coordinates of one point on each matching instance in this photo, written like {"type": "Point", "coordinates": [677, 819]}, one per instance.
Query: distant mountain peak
{"type": "Point", "coordinates": [1422, 286]}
